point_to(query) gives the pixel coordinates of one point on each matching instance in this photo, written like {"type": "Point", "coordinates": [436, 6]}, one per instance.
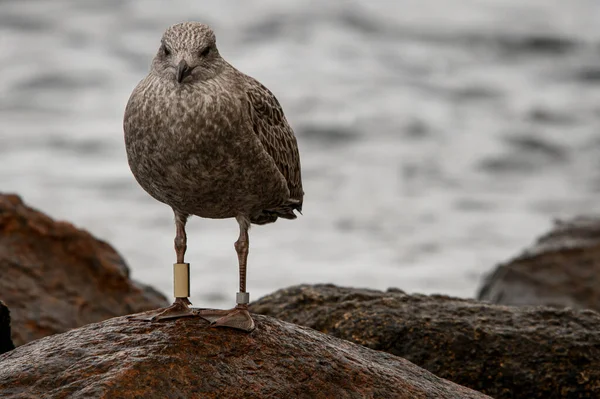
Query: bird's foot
{"type": "Point", "coordinates": [238, 318]}
{"type": "Point", "coordinates": [179, 308]}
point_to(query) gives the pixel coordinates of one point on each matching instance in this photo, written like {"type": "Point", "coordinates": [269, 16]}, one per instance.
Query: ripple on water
{"type": "Point", "coordinates": [526, 153]}
{"type": "Point", "coordinates": [327, 135]}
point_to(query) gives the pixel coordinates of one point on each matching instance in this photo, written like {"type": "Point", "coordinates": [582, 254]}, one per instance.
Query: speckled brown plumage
{"type": "Point", "coordinates": [210, 141]}
{"type": "Point", "coordinates": [217, 146]}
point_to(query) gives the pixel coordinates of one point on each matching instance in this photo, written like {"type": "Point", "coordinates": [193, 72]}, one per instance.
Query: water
{"type": "Point", "coordinates": [437, 137]}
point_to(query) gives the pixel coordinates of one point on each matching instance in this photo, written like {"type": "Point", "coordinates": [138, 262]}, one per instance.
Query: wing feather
{"type": "Point", "coordinates": [276, 136]}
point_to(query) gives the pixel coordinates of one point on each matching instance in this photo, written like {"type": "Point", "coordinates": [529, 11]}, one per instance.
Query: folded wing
{"type": "Point", "coordinates": [278, 140]}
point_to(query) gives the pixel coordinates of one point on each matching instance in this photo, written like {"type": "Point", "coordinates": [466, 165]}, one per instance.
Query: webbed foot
{"type": "Point", "coordinates": [179, 308]}
{"type": "Point", "coordinates": [238, 318]}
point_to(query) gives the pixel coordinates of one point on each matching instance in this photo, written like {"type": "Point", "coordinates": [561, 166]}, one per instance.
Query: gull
{"type": "Point", "coordinates": [208, 140]}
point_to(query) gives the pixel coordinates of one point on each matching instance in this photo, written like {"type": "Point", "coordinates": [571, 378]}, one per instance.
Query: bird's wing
{"type": "Point", "coordinates": [275, 135]}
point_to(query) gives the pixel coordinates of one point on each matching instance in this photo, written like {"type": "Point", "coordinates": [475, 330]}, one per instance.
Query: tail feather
{"type": "Point", "coordinates": [285, 211]}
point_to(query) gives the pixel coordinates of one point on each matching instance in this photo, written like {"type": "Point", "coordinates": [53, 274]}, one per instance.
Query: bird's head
{"type": "Point", "coordinates": [187, 53]}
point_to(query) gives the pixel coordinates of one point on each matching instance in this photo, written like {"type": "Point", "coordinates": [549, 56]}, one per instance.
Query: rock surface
{"type": "Point", "coordinates": [505, 352]}
{"type": "Point", "coordinates": [562, 269]}
{"type": "Point", "coordinates": [55, 277]}
{"type": "Point", "coordinates": [120, 358]}
{"type": "Point", "coordinates": [6, 343]}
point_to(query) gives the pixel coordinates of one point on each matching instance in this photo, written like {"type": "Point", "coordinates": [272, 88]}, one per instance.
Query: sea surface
{"type": "Point", "coordinates": [437, 137]}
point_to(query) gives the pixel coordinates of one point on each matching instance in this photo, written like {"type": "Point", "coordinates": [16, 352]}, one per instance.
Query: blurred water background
{"type": "Point", "coordinates": [438, 137]}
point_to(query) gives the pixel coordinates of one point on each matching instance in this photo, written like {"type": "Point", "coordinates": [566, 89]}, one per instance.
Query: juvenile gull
{"type": "Point", "coordinates": [210, 141]}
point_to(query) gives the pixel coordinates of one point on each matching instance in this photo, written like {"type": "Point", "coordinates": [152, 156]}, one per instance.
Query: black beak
{"type": "Point", "coordinates": [183, 71]}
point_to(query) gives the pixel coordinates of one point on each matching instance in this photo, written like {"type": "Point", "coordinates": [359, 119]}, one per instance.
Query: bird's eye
{"type": "Point", "coordinates": [165, 50]}
{"type": "Point", "coordinates": [205, 52]}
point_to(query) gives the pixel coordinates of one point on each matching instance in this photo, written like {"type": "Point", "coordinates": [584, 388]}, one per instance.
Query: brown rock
{"type": "Point", "coordinates": [561, 269]}
{"type": "Point", "coordinates": [55, 277]}
{"type": "Point", "coordinates": [505, 352]}
{"type": "Point", "coordinates": [119, 358]}
{"type": "Point", "coordinates": [6, 343]}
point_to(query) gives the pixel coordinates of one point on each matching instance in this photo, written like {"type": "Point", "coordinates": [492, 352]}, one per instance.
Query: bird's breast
{"type": "Point", "coordinates": [194, 150]}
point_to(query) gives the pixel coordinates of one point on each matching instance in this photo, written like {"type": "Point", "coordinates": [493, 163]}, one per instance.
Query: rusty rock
{"type": "Point", "coordinates": [504, 352]}
{"type": "Point", "coordinates": [562, 269]}
{"type": "Point", "coordinates": [119, 358]}
{"type": "Point", "coordinates": [55, 277]}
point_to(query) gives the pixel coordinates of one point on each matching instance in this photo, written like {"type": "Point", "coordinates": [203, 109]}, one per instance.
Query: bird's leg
{"type": "Point", "coordinates": [238, 317]}
{"type": "Point", "coordinates": [241, 247]}
{"type": "Point", "coordinates": [180, 236]}
{"type": "Point", "coordinates": [181, 284]}
{"type": "Point", "coordinates": [181, 306]}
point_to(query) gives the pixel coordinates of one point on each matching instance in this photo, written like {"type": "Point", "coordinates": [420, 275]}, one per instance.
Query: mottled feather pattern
{"type": "Point", "coordinates": [217, 145]}
{"type": "Point", "coordinates": [277, 137]}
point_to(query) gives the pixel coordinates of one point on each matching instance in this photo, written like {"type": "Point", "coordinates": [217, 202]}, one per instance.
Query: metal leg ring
{"type": "Point", "coordinates": [243, 298]}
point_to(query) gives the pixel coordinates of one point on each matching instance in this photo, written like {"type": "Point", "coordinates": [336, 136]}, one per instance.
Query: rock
{"type": "Point", "coordinates": [504, 352]}
{"type": "Point", "coordinates": [6, 343]}
{"type": "Point", "coordinates": [561, 269]}
{"type": "Point", "coordinates": [55, 277]}
{"type": "Point", "coordinates": [123, 359]}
